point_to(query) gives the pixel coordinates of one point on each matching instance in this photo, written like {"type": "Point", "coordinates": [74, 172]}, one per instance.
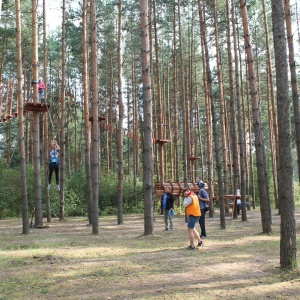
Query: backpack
{"type": "Point", "coordinates": [204, 195]}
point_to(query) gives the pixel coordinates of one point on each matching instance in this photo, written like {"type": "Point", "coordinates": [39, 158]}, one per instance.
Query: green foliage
{"type": "Point", "coordinates": [73, 205]}
{"type": "Point", "coordinates": [108, 195]}
{"type": "Point", "coordinates": [11, 191]}
{"type": "Point", "coordinates": [75, 194]}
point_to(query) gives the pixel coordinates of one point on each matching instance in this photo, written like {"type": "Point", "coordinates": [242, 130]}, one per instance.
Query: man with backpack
{"type": "Point", "coordinates": [204, 205]}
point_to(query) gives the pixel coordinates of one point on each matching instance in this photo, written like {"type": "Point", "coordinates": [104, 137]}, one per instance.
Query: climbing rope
{"type": "Point", "coordinates": [49, 113]}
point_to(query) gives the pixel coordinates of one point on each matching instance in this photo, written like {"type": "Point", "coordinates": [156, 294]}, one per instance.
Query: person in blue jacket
{"type": "Point", "coordinates": [167, 206]}
{"type": "Point", "coordinates": [54, 163]}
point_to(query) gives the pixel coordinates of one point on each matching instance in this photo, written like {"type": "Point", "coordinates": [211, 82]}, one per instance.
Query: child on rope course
{"type": "Point", "coordinates": [54, 163]}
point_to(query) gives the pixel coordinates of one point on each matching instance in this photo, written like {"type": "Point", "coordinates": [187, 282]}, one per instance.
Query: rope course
{"type": "Point", "coordinates": [6, 101]}
{"type": "Point", "coordinates": [7, 93]}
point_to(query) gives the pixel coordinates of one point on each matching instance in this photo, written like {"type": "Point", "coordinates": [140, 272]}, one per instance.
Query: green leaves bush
{"type": "Point", "coordinates": [75, 194]}
{"type": "Point", "coordinates": [108, 195]}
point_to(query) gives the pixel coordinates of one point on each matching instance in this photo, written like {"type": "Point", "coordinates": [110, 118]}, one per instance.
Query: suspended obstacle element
{"type": "Point", "coordinates": [31, 106]}
{"type": "Point", "coordinates": [100, 118]}
{"type": "Point", "coordinates": [8, 101]}
{"type": "Point", "coordinates": [176, 188]}
{"type": "Point", "coordinates": [161, 141]}
{"type": "Point", "coordinates": [194, 158]}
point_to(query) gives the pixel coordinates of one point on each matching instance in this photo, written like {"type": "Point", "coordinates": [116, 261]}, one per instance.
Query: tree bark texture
{"type": "Point", "coordinates": [87, 123]}
{"type": "Point", "coordinates": [292, 63]}
{"type": "Point", "coordinates": [119, 132]}
{"type": "Point", "coordinates": [25, 217]}
{"type": "Point", "coordinates": [62, 153]}
{"type": "Point", "coordinates": [36, 125]}
{"type": "Point", "coordinates": [288, 250]}
{"type": "Point", "coordinates": [147, 126]}
{"type": "Point", "coordinates": [257, 127]}
{"type": "Point", "coordinates": [217, 148]}
{"type": "Point", "coordinates": [95, 164]}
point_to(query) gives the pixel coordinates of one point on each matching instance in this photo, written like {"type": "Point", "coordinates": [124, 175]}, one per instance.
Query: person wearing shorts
{"type": "Point", "coordinates": [193, 212]}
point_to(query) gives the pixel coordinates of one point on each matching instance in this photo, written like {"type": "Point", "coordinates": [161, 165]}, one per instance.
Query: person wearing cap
{"type": "Point", "coordinates": [193, 212]}
{"type": "Point", "coordinates": [167, 206]}
{"type": "Point", "coordinates": [203, 199]}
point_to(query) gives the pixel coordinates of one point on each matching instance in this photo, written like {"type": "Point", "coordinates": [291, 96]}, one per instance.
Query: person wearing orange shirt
{"type": "Point", "coordinates": [193, 212]}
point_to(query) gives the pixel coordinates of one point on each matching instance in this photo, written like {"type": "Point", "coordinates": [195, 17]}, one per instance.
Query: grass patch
{"type": "Point", "coordinates": [66, 261]}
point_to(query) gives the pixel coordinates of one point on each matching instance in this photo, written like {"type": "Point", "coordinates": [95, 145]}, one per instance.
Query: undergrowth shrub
{"type": "Point", "coordinates": [75, 194]}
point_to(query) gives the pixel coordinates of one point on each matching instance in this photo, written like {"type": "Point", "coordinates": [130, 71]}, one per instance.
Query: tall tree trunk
{"type": "Point", "coordinates": [129, 155]}
{"type": "Point", "coordinates": [222, 100]}
{"type": "Point", "coordinates": [293, 72]}
{"type": "Point", "coordinates": [257, 126]}
{"type": "Point", "coordinates": [87, 123]}
{"type": "Point", "coordinates": [275, 158]}
{"type": "Point", "coordinates": [135, 131]}
{"type": "Point", "coordinates": [244, 124]}
{"type": "Point", "coordinates": [288, 250]}
{"type": "Point", "coordinates": [119, 132]}
{"type": "Point", "coordinates": [62, 118]}
{"type": "Point", "coordinates": [36, 129]}
{"type": "Point", "coordinates": [161, 163]}
{"type": "Point", "coordinates": [147, 108]}
{"type": "Point", "coordinates": [233, 134]}
{"type": "Point", "coordinates": [25, 218]}
{"type": "Point", "coordinates": [208, 124]}
{"type": "Point", "coordinates": [95, 163]}
{"type": "Point", "coordinates": [242, 185]}
{"type": "Point", "coordinates": [45, 118]}
{"type": "Point", "coordinates": [214, 119]}
{"type": "Point", "coordinates": [183, 101]}
{"type": "Point", "coordinates": [175, 79]}
{"type": "Point", "coordinates": [153, 95]}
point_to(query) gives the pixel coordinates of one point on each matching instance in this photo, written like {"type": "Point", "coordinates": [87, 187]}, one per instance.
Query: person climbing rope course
{"type": "Point", "coordinates": [54, 163]}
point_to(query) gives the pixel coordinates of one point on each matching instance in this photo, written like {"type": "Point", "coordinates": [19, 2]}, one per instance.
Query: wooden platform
{"type": "Point", "coordinates": [176, 187]}
{"type": "Point", "coordinates": [31, 106]}
{"type": "Point", "coordinates": [161, 141]}
{"type": "Point", "coordinates": [100, 118]}
{"type": "Point", "coordinates": [194, 158]}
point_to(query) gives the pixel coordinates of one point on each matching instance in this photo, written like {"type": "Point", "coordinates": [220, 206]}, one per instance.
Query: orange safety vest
{"type": "Point", "coordinates": [194, 208]}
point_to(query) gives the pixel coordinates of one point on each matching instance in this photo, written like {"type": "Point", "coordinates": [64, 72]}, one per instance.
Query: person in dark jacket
{"type": "Point", "coordinates": [167, 206]}
{"type": "Point", "coordinates": [203, 199]}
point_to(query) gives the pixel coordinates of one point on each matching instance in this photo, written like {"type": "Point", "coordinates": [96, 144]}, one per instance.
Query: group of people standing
{"type": "Point", "coordinates": [195, 204]}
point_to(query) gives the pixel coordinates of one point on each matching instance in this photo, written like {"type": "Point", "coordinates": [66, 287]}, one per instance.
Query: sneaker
{"type": "Point", "coordinates": [170, 229]}
{"type": "Point", "coordinates": [190, 247]}
{"type": "Point", "coordinates": [49, 186]}
{"type": "Point", "coordinates": [58, 187]}
{"type": "Point", "coordinates": [200, 244]}
{"type": "Point", "coordinates": [202, 236]}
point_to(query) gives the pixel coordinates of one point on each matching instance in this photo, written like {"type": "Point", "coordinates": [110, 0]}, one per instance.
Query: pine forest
{"type": "Point", "coordinates": [142, 95]}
